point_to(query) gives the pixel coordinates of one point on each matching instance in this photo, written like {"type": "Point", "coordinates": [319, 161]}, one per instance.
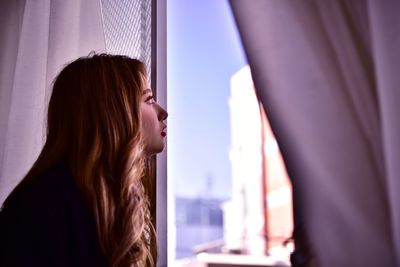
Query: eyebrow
{"type": "Point", "coordinates": [147, 91]}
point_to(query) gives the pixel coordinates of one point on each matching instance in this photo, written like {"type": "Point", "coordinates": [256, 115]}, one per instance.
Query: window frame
{"type": "Point", "coordinates": [159, 86]}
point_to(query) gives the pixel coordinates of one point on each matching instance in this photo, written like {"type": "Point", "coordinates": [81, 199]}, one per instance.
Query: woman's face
{"type": "Point", "coordinates": [153, 126]}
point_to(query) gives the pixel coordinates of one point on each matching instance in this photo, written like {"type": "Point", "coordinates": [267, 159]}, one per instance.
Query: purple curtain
{"type": "Point", "coordinates": [328, 76]}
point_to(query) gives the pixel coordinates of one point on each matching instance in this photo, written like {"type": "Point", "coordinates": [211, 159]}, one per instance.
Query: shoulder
{"type": "Point", "coordinates": [37, 220]}
{"type": "Point", "coordinates": [44, 203]}
{"type": "Point", "coordinates": [47, 190]}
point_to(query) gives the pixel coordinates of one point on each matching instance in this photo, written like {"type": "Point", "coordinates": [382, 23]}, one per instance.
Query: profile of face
{"type": "Point", "coordinates": [153, 125]}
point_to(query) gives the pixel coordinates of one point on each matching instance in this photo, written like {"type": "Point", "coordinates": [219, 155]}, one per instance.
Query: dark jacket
{"type": "Point", "coordinates": [47, 223]}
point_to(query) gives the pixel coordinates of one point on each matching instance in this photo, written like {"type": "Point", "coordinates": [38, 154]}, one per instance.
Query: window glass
{"type": "Point", "coordinates": [228, 186]}
{"type": "Point", "coordinates": [127, 28]}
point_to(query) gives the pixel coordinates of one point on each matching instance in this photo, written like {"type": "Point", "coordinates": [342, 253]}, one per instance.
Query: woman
{"type": "Point", "coordinates": [83, 202]}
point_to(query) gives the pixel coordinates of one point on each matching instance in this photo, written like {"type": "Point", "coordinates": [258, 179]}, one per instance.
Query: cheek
{"type": "Point", "coordinates": [151, 138]}
{"type": "Point", "coordinates": [147, 121]}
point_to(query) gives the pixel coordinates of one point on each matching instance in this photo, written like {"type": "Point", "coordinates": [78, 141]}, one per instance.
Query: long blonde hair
{"type": "Point", "coordinates": [94, 127]}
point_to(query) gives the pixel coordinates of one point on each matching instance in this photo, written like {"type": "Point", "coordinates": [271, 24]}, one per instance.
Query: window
{"type": "Point", "coordinates": [228, 187]}
{"type": "Point", "coordinates": [137, 29]}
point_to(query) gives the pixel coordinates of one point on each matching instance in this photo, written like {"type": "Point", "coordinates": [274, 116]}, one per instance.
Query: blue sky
{"type": "Point", "coordinates": [203, 52]}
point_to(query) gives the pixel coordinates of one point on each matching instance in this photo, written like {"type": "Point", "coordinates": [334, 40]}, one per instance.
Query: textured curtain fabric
{"type": "Point", "coordinates": [37, 39]}
{"type": "Point", "coordinates": [328, 75]}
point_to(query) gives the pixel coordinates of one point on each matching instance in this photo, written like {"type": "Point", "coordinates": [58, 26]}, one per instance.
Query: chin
{"type": "Point", "coordinates": [151, 151]}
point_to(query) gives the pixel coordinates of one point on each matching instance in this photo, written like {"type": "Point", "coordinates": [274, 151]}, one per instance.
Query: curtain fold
{"type": "Point", "coordinates": [35, 46]}
{"type": "Point", "coordinates": [385, 41]}
{"type": "Point", "coordinates": [10, 23]}
{"type": "Point", "coordinates": [326, 73]}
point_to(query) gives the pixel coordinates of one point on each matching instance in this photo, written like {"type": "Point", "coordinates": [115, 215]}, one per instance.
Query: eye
{"type": "Point", "coordinates": [150, 100]}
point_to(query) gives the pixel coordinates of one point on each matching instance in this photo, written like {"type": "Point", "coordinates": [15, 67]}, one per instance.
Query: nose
{"type": "Point", "coordinates": [162, 113]}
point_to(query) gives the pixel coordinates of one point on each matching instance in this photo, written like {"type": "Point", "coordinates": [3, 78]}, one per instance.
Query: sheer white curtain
{"type": "Point", "coordinates": [328, 75]}
{"type": "Point", "coordinates": [37, 39]}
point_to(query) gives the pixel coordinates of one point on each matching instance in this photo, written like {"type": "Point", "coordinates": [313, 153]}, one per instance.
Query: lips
{"type": "Point", "coordinates": [164, 132]}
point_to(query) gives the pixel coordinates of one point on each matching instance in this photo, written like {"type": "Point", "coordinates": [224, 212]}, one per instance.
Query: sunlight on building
{"type": "Point", "coordinates": [257, 219]}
